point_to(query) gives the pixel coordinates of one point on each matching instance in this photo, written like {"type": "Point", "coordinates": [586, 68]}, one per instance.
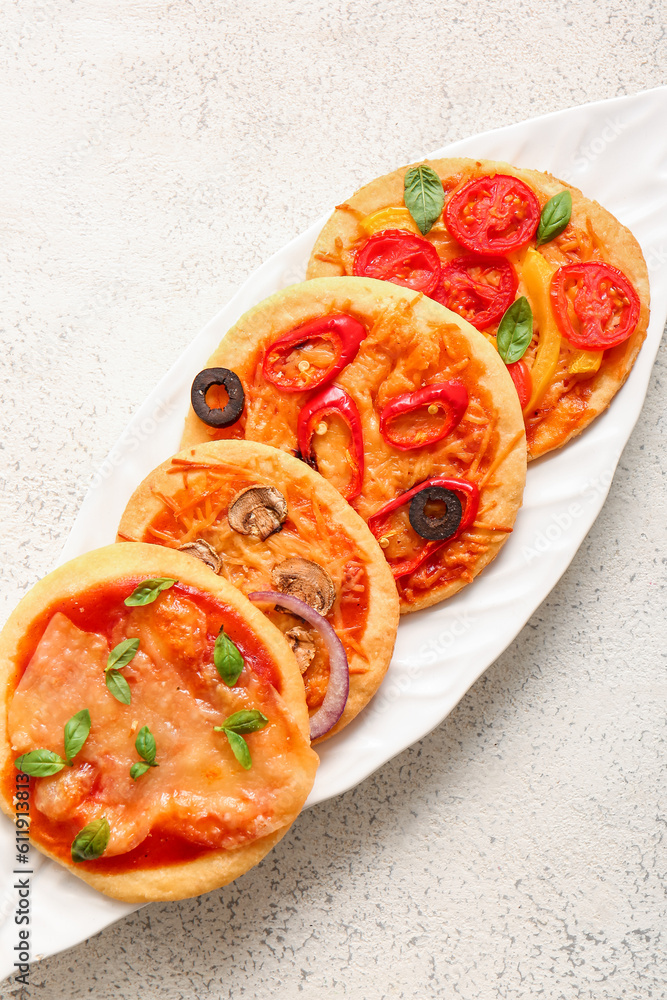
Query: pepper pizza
{"type": "Point", "coordinates": [403, 406]}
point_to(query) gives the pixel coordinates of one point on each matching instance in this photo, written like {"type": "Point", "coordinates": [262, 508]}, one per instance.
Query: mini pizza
{"type": "Point", "coordinates": [153, 725]}
{"type": "Point", "coordinates": [267, 522]}
{"type": "Point", "coordinates": [550, 277]}
{"type": "Point", "coordinates": [403, 406]}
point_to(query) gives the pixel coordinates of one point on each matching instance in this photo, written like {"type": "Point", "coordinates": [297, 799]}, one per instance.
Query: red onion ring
{"type": "Point", "coordinates": [335, 699]}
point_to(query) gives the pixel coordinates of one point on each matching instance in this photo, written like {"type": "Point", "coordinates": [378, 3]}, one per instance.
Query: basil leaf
{"type": "Point", "coordinates": [149, 591]}
{"type": "Point", "coordinates": [121, 654]}
{"type": "Point", "coordinates": [138, 769]}
{"type": "Point", "coordinates": [40, 763]}
{"type": "Point", "coordinates": [76, 733]}
{"type": "Point", "coordinates": [246, 721]}
{"type": "Point", "coordinates": [239, 748]}
{"type": "Point", "coordinates": [555, 216]}
{"type": "Point", "coordinates": [145, 744]}
{"type": "Point", "coordinates": [227, 659]}
{"type": "Point", "coordinates": [91, 842]}
{"type": "Point", "coordinates": [424, 196]}
{"type": "Point", "coordinates": [118, 686]}
{"type": "Point", "coordinates": [515, 331]}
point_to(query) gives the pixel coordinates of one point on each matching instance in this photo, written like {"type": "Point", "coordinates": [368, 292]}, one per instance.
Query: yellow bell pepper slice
{"type": "Point", "coordinates": [389, 218]}
{"type": "Point", "coordinates": [537, 274]}
{"type": "Point", "coordinates": [585, 362]}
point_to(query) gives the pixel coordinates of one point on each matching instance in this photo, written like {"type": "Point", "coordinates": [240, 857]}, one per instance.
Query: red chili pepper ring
{"type": "Point", "coordinates": [450, 400]}
{"type": "Point", "coordinates": [333, 399]}
{"type": "Point", "coordinates": [341, 334]}
{"type": "Point", "coordinates": [466, 491]}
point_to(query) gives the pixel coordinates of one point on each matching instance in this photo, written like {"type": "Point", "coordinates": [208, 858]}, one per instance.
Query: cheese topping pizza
{"type": "Point", "coordinates": [158, 721]}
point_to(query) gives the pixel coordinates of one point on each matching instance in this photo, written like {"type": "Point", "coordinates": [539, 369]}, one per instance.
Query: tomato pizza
{"type": "Point", "coordinates": [154, 721]}
{"type": "Point", "coordinates": [549, 276]}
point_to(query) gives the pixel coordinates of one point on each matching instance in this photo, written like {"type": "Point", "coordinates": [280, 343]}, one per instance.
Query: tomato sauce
{"type": "Point", "coordinates": [99, 610]}
{"type": "Point", "coordinates": [202, 504]}
{"type": "Point", "coordinates": [582, 241]}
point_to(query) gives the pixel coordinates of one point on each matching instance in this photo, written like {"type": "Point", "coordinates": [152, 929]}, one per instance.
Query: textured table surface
{"type": "Point", "coordinates": [154, 153]}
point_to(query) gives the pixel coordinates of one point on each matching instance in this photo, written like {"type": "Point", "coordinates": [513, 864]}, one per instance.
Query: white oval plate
{"type": "Point", "coordinates": [616, 152]}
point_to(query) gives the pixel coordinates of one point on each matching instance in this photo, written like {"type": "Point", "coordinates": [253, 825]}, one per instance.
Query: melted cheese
{"type": "Point", "coordinates": [561, 402]}
{"type": "Point", "coordinates": [393, 359]}
{"type": "Point", "coordinates": [199, 791]}
{"type": "Point", "coordinates": [197, 507]}
{"type": "Point", "coordinates": [397, 356]}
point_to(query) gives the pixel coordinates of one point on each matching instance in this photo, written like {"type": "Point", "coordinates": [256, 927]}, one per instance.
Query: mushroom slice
{"type": "Point", "coordinates": [302, 645]}
{"type": "Point", "coordinates": [202, 550]}
{"type": "Point", "coordinates": [257, 510]}
{"type": "Point", "coordinates": [306, 580]}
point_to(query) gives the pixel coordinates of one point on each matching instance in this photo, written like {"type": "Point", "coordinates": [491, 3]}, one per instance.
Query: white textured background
{"type": "Point", "coordinates": [152, 154]}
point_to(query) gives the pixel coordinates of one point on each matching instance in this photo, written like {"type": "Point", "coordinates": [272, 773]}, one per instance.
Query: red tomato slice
{"type": "Point", "coordinates": [595, 305]}
{"type": "Point", "coordinates": [401, 257]}
{"type": "Point", "coordinates": [523, 383]}
{"type": "Point", "coordinates": [478, 288]}
{"type": "Point", "coordinates": [493, 215]}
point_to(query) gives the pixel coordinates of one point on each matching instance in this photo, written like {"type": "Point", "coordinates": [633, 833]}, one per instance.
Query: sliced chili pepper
{"type": "Point", "coordinates": [292, 364]}
{"type": "Point", "coordinates": [595, 305]}
{"type": "Point", "coordinates": [401, 257]}
{"type": "Point", "coordinates": [333, 400]}
{"type": "Point", "coordinates": [377, 522]}
{"type": "Point", "coordinates": [449, 399]}
{"type": "Point", "coordinates": [478, 288]}
{"type": "Point", "coordinates": [523, 383]}
{"type": "Point", "coordinates": [493, 215]}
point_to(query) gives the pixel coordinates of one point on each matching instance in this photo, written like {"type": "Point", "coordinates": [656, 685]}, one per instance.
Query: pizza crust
{"type": "Point", "coordinates": [619, 248]}
{"type": "Point", "coordinates": [105, 566]}
{"type": "Point", "coordinates": [270, 466]}
{"type": "Point", "coordinates": [273, 418]}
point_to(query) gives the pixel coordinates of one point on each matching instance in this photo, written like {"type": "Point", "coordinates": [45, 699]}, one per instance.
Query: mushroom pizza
{"type": "Point", "coordinates": [272, 526]}
{"type": "Point", "coordinates": [550, 277]}
{"type": "Point", "coordinates": [403, 406]}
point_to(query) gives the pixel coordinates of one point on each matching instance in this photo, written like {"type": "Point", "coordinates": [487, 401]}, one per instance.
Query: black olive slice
{"type": "Point", "coordinates": [435, 528]}
{"type": "Point", "coordinates": [217, 417]}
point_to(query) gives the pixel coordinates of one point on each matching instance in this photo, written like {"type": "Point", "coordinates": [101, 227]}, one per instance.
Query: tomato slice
{"type": "Point", "coordinates": [478, 288]}
{"type": "Point", "coordinates": [595, 305]}
{"type": "Point", "coordinates": [401, 257]}
{"type": "Point", "coordinates": [523, 383]}
{"type": "Point", "coordinates": [493, 215]}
